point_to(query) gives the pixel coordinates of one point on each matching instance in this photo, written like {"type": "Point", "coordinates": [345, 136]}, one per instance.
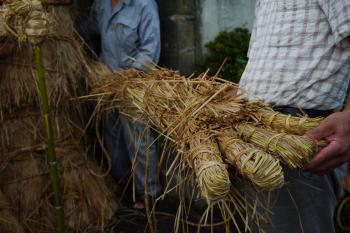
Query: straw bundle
{"type": "Point", "coordinates": [293, 150]}
{"type": "Point", "coordinates": [195, 114]}
{"type": "Point", "coordinates": [88, 198]}
{"type": "Point", "coordinates": [256, 165]}
{"type": "Point", "coordinates": [175, 105]}
{"type": "Point", "coordinates": [286, 123]}
{"type": "Point", "coordinates": [8, 222]}
{"type": "Point", "coordinates": [212, 176]}
{"type": "Point", "coordinates": [64, 63]}
{"type": "Point", "coordinates": [88, 201]}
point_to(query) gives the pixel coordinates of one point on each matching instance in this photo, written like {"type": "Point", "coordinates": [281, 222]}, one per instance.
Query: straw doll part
{"type": "Point", "coordinates": [176, 105]}
{"type": "Point", "coordinates": [211, 172]}
{"type": "Point", "coordinates": [261, 168]}
{"type": "Point", "coordinates": [293, 150]}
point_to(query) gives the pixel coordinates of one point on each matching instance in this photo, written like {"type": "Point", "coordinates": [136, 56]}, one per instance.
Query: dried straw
{"type": "Point", "coordinates": [8, 222]}
{"type": "Point", "coordinates": [65, 65]}
{"type": "Point", "coordinates": [88, 198]}
{"type": "Point", "coordinates": [167, 104]}
{"type": "Point", "coordinates": [286, 123]}
{"type": "Point", "coordinates": [176, 105]}
{"type": "Point", "coordinates": [89, 201]}
{"type": "Point", "coordinates": [295, 151]}
{"type": "Point", "coordinates": [211, 173]}
{"type": "Point", "coordinates": [259, 167]}
{"type": "Point", "coordinates": [187, 111]}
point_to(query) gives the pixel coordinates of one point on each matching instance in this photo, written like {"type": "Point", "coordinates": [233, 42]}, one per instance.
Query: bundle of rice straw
{"type": "Point", "coordinates": [293, 150]}
{"type": "Point", "coordinates": [211, 173]}
{"type": "Point", "coordinates": [175, 105]}
{"type": "Point", "coordinates": [289, 124]}
{"type": "Point", "coordinates": [25, 179]}
{"type": "Point", "coordinates": [201, 115]}
{"type": "Point", "coordinates": [8, 222]}
{"type": "Point", "coordinates": [255, 164]}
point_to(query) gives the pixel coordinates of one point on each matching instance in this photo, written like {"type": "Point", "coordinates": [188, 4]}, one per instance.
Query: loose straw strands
{"type": "Point", "coordinates": [286, 123]}
{"type": "Point", "coordinates": [174, 105]}
{"type": "Point", "coordinates": [194, 113]}
{"type": "Point", "coordinates": [8, 222]}
{"type": "Point", "coordinates": [171, 105]}
{"type": "Point", "coordinates": [212, 176]}
{"type": "Point", "coordinates": [295, 151]}
{"type": "Point", "coordinates": [167, 101]}
{"type": "Point", "coordinates": [259, 167]}
{"type": "Point", "coordinates": [89, 200]}
{"type": "Point", "coordinates": [65, 65]}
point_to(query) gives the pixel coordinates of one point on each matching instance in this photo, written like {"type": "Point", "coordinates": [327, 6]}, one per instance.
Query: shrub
{"type": "Point", "coordinates": [232, 46]}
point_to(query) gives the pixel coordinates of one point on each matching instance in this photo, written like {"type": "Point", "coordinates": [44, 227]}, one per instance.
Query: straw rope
{"type": "Point", "coordinates": [27, 21]}
{"type": "Point", "coordinates": [194, 113]}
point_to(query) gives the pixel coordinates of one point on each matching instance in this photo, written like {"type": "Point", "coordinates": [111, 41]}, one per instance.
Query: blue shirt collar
{"type": "Point", "coordinates": [120, 5]}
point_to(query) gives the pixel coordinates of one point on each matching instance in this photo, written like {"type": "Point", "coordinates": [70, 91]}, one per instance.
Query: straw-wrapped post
{"type": "Point", "coordinates": [24, 172]}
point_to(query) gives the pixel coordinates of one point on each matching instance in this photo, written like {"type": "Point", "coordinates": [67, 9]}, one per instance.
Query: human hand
{"type": "Point", "coordinates": [336, 130]}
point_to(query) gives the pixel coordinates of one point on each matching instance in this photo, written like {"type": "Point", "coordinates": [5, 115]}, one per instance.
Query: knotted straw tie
{"type": "Point", "coordinates": [26, 20]}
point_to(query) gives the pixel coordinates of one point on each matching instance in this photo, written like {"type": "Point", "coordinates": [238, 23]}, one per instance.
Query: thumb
{"type": "Point", "coordinates": [324, 130]}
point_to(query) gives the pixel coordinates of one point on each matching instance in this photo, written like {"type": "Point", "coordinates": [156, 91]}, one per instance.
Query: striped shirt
{"type": "Point", "coordinates": [299, 54]}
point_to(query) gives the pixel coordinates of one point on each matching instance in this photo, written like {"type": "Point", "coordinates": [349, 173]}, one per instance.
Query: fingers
{"type": "Point", "coordinates": [328, 166]}
{"type": "Point", "coordinates": [327, 159]}
{"type": "Point", "coordinates": [325, 129]}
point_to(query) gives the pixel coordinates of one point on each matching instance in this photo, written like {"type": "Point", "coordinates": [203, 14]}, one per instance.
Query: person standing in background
{"type": "Point", "coordinates": [130, 38]}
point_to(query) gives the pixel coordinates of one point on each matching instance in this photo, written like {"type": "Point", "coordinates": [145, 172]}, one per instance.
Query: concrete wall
{"type": "Point", "coordinates": [187, 25]}
{"type": "Point", "coordinates": [179, 34]}
{"type": "Point", "coordinates": [224, 15]}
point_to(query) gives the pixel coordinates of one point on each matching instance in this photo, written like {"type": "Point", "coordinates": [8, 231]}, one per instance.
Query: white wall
{"type": "Point", "coordinates": [221, 15]}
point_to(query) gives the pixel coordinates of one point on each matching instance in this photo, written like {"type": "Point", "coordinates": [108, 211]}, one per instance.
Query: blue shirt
{"type": "Point", "coordinates": [130, 33]}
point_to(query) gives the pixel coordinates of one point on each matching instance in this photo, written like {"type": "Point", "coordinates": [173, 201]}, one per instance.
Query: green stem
{"type": "Point", "coordinates": [49, 137]}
